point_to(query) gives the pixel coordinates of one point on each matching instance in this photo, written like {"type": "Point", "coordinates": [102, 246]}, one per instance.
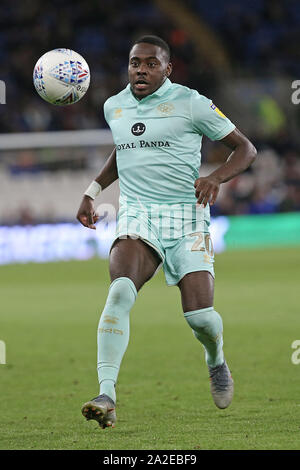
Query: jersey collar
{"type": "Point", "coordinates": [159, 92]}
{"type": "Point", "coordinates": [162, 89]}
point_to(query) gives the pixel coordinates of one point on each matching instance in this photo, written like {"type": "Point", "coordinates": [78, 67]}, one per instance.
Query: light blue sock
{"type": "Point", "coordinates": [207, 327]}
{"type": "Point", "coordinates": [113, 333]}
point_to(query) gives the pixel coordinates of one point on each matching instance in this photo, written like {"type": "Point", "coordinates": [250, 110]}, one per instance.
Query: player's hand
{"type": "Point", "coordinates": [207, 189]}
{"type": "Point", "coordinates": [86, 213]}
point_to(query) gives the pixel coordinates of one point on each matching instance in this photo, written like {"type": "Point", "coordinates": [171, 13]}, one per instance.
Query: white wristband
{"type": "Point", "coordinates": [93, 190]}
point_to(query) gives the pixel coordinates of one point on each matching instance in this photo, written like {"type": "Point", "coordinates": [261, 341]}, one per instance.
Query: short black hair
{"type": "Point", "coordinates": [156, 40]}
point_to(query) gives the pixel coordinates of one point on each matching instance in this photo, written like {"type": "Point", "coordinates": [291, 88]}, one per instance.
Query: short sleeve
{"type": "Point", "coordinates": [106, 108]}
{"type": "Point", "coordinates": [207, 119]}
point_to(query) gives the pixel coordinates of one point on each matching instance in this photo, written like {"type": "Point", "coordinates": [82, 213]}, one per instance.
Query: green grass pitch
{"type": "Point", "coordinates": [49, 317]}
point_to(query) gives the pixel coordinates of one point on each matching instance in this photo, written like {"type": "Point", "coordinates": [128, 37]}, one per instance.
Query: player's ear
{"type": "Point", "coordinates": [169, 69]}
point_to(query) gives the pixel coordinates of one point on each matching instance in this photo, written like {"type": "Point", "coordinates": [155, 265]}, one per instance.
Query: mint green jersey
{"type": "Point", "coordinates": [158, 141]}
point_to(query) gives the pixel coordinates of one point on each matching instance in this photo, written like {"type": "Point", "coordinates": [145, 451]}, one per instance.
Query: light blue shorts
{"type": "Point", "coordinates": [180, 237]}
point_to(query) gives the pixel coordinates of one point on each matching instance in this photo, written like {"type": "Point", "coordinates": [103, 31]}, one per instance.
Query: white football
{"type": "Point", "coordinates": [61, 77]}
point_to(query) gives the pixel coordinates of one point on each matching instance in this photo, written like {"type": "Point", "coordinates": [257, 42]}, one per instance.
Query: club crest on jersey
{"type": "Point", "coordinates": [214, 107]}
{"type": "Point", "coordinates": [166, 108]}
{"type": "Point", "coordinates": [138, 128]}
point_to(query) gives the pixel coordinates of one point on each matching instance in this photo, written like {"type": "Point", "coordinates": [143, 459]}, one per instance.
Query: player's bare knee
{"type": "Point", "coordinates": [197, 291]}
{"type": "Point", "coordinates": [196, 300]}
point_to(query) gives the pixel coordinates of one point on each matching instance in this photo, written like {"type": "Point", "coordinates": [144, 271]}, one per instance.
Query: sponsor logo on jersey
{"type": "Point", "coordinates": [214, 107]}
{"type": "Point", "coordinates": [143, 144]}
{"type": "Point", "coordinates": [138, 128]}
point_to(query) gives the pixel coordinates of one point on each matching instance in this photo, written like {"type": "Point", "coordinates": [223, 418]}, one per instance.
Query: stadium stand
{"type": "Point", "coordinates": [263, 63]}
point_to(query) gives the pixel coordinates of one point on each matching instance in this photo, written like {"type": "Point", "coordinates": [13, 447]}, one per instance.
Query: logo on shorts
{"type": "Point", "coordinates": [138, 128]}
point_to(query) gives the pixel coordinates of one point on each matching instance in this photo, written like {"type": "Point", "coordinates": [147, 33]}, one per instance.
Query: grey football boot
{"type": "Point", "coordinates": [102, 409]}
{"type": "Point", "coordinates": [221, 385]}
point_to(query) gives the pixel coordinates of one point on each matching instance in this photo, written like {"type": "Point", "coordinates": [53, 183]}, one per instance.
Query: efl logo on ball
{"type": "Point", "coordinates": [61, 77]}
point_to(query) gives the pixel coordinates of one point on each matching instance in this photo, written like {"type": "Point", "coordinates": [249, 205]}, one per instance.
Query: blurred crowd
{"type": "Point", "coordinates": [261, 37]}
{"type": "Point", "coordinates": [102, 32]}
{"type": "Point", "coordinates": [270, 185]}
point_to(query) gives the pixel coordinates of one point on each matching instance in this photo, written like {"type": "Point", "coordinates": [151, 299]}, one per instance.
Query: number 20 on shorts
{"type": "Point", "coordinates": [202, 243]}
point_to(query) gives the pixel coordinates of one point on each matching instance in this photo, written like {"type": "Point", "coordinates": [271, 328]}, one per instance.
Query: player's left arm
{"type": "Point", "coordinates": [242, 156]}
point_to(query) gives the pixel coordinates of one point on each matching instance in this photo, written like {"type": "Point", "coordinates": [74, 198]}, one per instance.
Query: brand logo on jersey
{"type": "Point", "coordinates": [118, 113]}
{"type": "Point", "coordinates": [166, 108]}
{"type": "Point", "coordinates": [138, 128]}
{"type": "Point", "coordinates": [214, 107]}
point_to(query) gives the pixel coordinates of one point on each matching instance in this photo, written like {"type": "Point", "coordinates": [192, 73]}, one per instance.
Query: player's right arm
{"type": "Point", "coordinates": [109, 173]}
